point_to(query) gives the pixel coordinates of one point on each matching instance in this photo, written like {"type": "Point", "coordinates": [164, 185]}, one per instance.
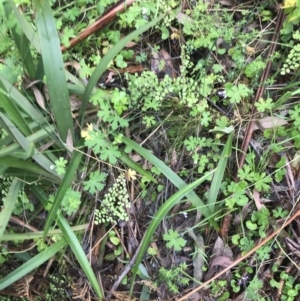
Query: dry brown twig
{"type": "Point", "coordinates": [107, 18]}
{"type": "Point", "coordinates": [260, 91]}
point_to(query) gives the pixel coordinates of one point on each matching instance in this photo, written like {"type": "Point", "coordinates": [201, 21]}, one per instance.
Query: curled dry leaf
{"type": "Point", "coordinates": [130, 44]}
{"type": "Point", "coordinates": [135, 157]}
{"type": "Point", "coordinates": [37, 93]}
{"type": "Point", "coordinates": [222, 257]}
{"type": "Point", "coordinates": [74, 64]}
{"type": "Point", "coordinates": [256, 198]}
{"type": "Point", "coordinates": [240, 217]}
{"type": "Point", "coordinates": [162, 57]}
{"type": "Point", "coordinates": [223, 261]}
{"type": "Point", "coordinates": [269, 123]}
{"type": "Point", "coordinates": [182, 18]}
{"type": "Point", "coordinates": [130, 175]}
{"type": "Point", "coordinates": [228, 3]}
{"type": "Point", "coordinates": [174, 160]}
{"type": "Point", "coordinates": [39, 97]}
{"type": "Point", "coordinates": [69, 142]}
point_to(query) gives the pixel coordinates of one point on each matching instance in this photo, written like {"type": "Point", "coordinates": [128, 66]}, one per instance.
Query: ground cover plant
{"type": "Point", "coordinates": [149, 150]}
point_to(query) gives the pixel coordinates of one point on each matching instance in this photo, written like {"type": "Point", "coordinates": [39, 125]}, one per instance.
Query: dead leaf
{"type": "Point", "coordinates": [162, 62]}
{"type": "Point", "coordinates": [37, 93]}
{"type": "Point", "coordinates": [175, 34]}
{"type": "Point", "coordinates": [130, 175]}
{"type": "Point", "coordinates": [135, 158]}
{"type": "Point", "coordinates": [229, 3]}
{"type": "Point", "coordinates": [74, 64]}
{"type": "Point", "coordinates": [240, 217]}
{"type": "Point", "coordinates": [225, 225]}
{"type": "Point", "coordinates": [182, 18]}
{"type": "Point", "coordinates": [130, 69]}
{"type": "Point", "coordinates": [119, 268]}
{"type": "Point", "coordinates": [75, 103]}
{"type": "Point", "coordinates": [39, 97]}
{"type": "Point", "coordinates": [155, 62]}
{"type": "Point", "coordinates": [250, 50]}
{"type": "Point", "coordinates": [296, 160]}
{"type": "Point", "coordinates": [69, 141]}
{"type": "Point", "coordinates": [269, 122]}
{"type": "Point", "coordinates": [222, 256]}
{"type": "Point", "coordinates": [223, 261]}
{"type": "Point", "coordinates": [109, 77]}
{"type": "Point", "coordinates": [256, 198]}
{"type": "Point", "coordinates": [174, 159]}
{"type": "Point", "coordinates": [130, 44]}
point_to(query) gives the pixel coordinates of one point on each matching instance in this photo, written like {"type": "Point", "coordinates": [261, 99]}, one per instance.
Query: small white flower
{"type": "Point", "coordinates": [184, 213]}
{"type": "Point", "coordinates": [222, 93]}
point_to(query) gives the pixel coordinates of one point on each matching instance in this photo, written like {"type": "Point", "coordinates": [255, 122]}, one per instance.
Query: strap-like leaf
{"type": "Point", "coordinates": [31, 264]}
{"type": "Point", "coordinates": [9, 204]}
{"type": "Point", "coordinates": [54, 68]}
{"type": "Point", "coordinates": [159, 216]}
{"type": "Point", "coordinates": [74, 245]}
{"type": "Point", "coordinates": [65, 184]}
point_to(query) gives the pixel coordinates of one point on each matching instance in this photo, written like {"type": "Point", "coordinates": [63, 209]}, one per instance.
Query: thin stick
{"type": "Point", "coordinates": [236, 262]}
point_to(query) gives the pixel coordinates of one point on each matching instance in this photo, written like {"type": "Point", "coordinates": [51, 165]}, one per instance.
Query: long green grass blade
{"type": "Point", "coordinates": [26, 27]}
{"type": "Point", "coordinates": [65, 184]}
{"type": "Point", "coordinates": [35, 137]}
{"type": "Point", "coordinates": [32, 264]}
{"type": "Point", "coordinates": [159, 216]}
{"type": "Point", "coordinates": [22, 43]}
{"type": "Point", "coordinates": [23, 166]}
{"type": "Point", "coordinates": [219, 174]}
{"type": "Point", "coordinates": [80, 256]}
{"type": "Point", "coordinates": [28, 147]}
{"type": "Point", "coordinates": [38, 234]}
{"type": "Point", "coordinates": [9, 204]}
{"type": "Point", "coordinates": [14, 114]}
{"type": "Point", "coordinates": [22, 102]}
{"type": "Point", "coordinates": [101, 68]}
{"type": "Point", "coordinates": [169, 174]}
{"type": "Point", "coordinates": [54, 69]}
{"type": "Point", "coordinates": [74, 244]}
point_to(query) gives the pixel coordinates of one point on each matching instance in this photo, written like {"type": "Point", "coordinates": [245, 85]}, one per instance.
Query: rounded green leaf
{"type": "Point", "coordinates": [251, 226]}
{"type": "Point", "coordinates": [115, 240]}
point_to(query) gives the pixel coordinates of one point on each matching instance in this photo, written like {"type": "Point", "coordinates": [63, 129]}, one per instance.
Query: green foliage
{"type": "Point", "coordinates": [292, 62]}
{"type": "Point", "coordinates": [291, 288]}
{"type": "Point", "coordinates": [293, 12]}
{"type": "Point", "coordinates": [218, 290]}
{"type": "Point", "coordinates": [254, 69]}
{"type": "Point", "coordinates": [236, 93]}
{"type": "Point", "coordinates": [253, 290]}
{"type": "Point", "coordinates": [98, 142]}
{"type": "Point", "coordinates": [173, 278]}
{"type": "Point", "coordinates": [264, 105]}
{"type": "Point", "coordinates": [190, 96]}
{"type": "Point", "coordinates": [60, 166]}
{"type": "Point", "coordinates": [260, 180]}
{"type": "Point", "coordinates": [70, 203]}
{"type": "Point", "coordinates": [174, 240]}
{"type": "Point", "coordinates": [22, 201]}
{"type": "Point", "coordinates": [114, 204]}
{"type": "Point", "coordinates": [95, 183]}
